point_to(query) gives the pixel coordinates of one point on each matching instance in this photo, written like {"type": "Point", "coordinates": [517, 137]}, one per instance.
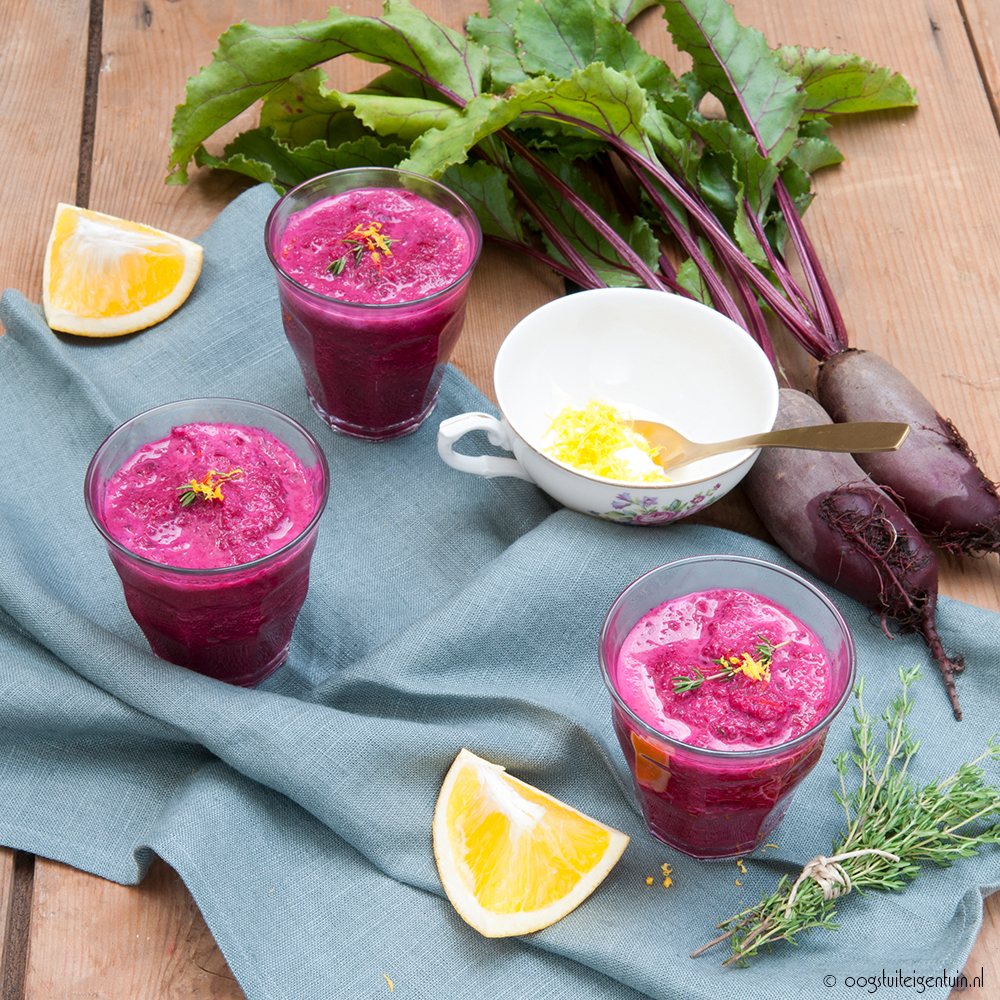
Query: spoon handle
{"type": "Point", "coordinates": [856, 437]}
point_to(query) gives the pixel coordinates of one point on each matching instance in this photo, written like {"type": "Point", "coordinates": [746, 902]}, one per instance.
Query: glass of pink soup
{"type": "Point", "coordinates": [216, 583]}
{"type": "Point", "coordinates": [373, 268]}
{"type": "Point", "coordinates": [725, 674]}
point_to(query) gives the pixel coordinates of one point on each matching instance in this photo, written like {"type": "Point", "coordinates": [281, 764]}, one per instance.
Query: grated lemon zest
{"type": "Point", "coordinates": [754, 669]}
{"type": "Point", "coordinates": [667, 872]}
{"type": "Point", "coordinates": [590, 440]}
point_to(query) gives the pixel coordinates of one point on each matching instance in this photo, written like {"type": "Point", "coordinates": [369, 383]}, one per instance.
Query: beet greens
{"type": "Point", "coordinates": [577, 147]}
{"type": "Point", "coordinates": [533, 116]}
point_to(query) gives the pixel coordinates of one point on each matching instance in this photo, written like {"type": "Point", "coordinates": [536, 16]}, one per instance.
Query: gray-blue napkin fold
{"type": "Point", "coordinates": [444, 611]}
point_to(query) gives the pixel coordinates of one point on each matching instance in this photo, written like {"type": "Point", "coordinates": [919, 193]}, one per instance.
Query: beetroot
{"type": "Point", "coordinates": [934, 474]}
{"type": "Point", "coordinates": [828, 515]}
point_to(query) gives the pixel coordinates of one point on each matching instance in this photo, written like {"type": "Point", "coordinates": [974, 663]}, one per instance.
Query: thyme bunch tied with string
{"type": "Point", "coordinates": [893, 826]}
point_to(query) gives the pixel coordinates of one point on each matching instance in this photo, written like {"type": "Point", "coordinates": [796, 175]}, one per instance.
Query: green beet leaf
{"type": "Point", "coordinates": [840, 83]}
{"type": "Point", "coordinates": [556, 37]}
{"type": "Point", "coordinates": [300, 111]}
{"type": "Point", "coordinates": [737, 66]}
{"type": "Point", "coordinates": [259, 154]}
{"type": "Point", "coordinates": [625, 10]}
{"type": "Point", "coordinates": [598, 98]}
{"type": "Point", "coordinates": [250, 62]}
{"type": "Point", "coordinates": [484, 188]}
{"type": "Point", "coordinates": [814, 149]}
{"type": "Point", "coordinates": [690, 279]}
{"type": "Point", "coordinates": [496, 34]}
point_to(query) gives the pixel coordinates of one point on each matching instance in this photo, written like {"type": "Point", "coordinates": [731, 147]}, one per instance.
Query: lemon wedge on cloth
{"type": "Point", "coordinates": [105, 276]}
{"type": "Point", "coordinates": [511, 858]}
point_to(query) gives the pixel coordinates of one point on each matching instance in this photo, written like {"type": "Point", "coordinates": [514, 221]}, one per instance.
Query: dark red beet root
{"type": "Point", "coordinates": [934, 474]}
{"type": "Point", "coordinates": [823, 510]}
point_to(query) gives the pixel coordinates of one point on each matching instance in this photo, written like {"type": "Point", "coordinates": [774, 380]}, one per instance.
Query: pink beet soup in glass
{"type": "Point", "coordinates": [372, 282]}
{"type": "Point", "coordinates": [211, 503]}
{"type": "Point", "coordinates": [707, 635]}
{"type": "Point", "coordinates": [374, 246]}
{"type": "Point", "coordinates": [733, 678]}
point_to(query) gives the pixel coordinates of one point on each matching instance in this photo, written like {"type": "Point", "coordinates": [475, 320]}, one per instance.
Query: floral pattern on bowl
{"type": "Point", "coordinates": [640, 509]}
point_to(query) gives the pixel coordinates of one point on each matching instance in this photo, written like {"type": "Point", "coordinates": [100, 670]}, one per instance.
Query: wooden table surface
{"type": "Point", "coordinates": [907, 229]}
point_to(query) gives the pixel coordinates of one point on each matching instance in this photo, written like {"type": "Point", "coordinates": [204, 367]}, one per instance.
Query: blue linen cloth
{"type": "Point", "coordinates": [445, 611]}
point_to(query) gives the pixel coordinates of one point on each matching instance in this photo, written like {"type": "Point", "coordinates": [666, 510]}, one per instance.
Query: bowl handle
{"type": "Point", "coordinates": [481, 465]}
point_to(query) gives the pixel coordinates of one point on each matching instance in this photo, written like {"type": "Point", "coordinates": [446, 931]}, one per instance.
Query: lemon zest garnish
{"type": "Point", "coordinates": [389, 981]}
{"type": "Point", "coordinates": [373, 239]}
{"type": "Point", "coordinates": [667, 880]}
{"type": "Point", "coordinates": [754, 669]}
{"type": "Point", "coordinates": [737, 881]}
{"type": "Point", "coordinates": [589, 439]}
{"type": "Point", "coordinates": [209, 487]}
{"type": "Point", "coordinates": [364, 238]}
{"type": "Point", "coordinates": [372, 235]}
{"type": "Point", "coordinates": [742, 867]}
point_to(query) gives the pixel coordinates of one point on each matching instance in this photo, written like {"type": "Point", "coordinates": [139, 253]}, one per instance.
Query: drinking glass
{"type": "Point", "coordinates": [372, 370]}
{"type": "Point", "coordinates": [711, 803]}
{"type": "Point", "coordinates": [233, 623]}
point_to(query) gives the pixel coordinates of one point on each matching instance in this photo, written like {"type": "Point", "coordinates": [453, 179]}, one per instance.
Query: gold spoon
{"type": "Point", "coordinates": [855, 437]}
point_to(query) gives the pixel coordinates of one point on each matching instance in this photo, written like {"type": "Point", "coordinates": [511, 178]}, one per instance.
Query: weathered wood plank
{"type": "Point", "coordinates": [982, 20]}
{"type": "Point", "coordinates": [91, 937]}
{"type": "Point", "coordinates": [984, 959]}
{"type": "Point", "coordinates": [7, 959]}
{"type": "Point", "coordinates": [17, 871]}
{"type": "Point", "coordinates": [43, 53]}
{"type": "Point", "coordinates": [6, 883]}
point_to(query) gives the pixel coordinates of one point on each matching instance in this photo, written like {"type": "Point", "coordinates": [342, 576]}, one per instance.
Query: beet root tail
{"type": "Point", "coordinates": [949, 666]}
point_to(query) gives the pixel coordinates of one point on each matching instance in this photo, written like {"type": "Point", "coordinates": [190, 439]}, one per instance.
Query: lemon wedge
{"type": "Point", "coordinates": [513, 859]}
{"type": "Point", "coordinates": [104, 276]}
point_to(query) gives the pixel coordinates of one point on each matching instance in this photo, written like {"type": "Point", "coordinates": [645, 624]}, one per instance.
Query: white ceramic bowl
{"type": "Point", "coordinates": [652, 355]}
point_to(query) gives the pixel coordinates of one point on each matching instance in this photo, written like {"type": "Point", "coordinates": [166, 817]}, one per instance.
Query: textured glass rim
{"type": "Point", "coordinates": [732, 756]}
{"type": "Point", "coordinates": [212, 571]}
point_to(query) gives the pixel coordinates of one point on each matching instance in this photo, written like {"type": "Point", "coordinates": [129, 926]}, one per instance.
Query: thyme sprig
{"type": "Point", "coordinates": [756, 666]}
{"type": "Point", "coordinates": [892, 827]}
